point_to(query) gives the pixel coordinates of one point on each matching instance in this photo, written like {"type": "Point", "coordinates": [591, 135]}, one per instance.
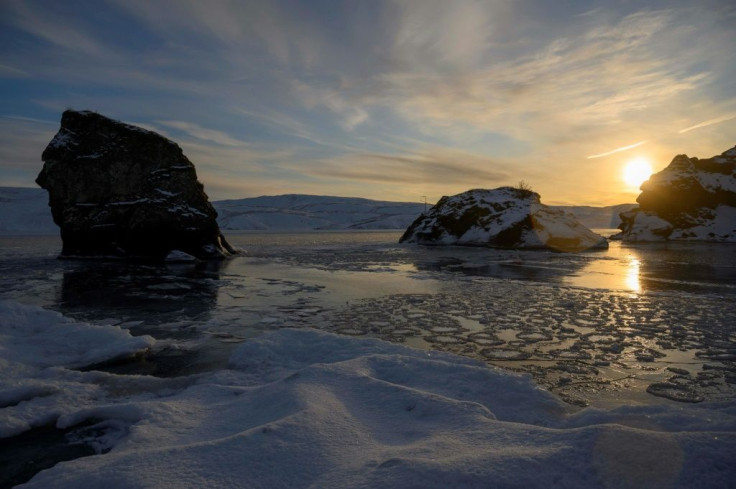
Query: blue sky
{"type": "Point", "coordinates": [384, 99]}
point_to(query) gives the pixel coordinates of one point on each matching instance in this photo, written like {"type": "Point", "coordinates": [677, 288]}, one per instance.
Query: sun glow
{"type": "Point", "coordinates": [636, 172]}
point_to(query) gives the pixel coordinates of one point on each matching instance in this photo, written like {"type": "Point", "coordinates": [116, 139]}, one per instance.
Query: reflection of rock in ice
{"type": "Point", "coordinates": [189, 290]}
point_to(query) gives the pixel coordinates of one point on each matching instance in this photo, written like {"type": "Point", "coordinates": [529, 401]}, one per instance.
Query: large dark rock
{"type": "Point", "coordinates": [117, 190]}
{"type": "Point", "coordinates": [505, 217]}
{"type": "Point", "coordinates": [691, 199]}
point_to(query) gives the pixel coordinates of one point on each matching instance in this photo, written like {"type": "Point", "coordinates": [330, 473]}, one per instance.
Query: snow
{"type": "Point", "coordinates": [720, 228]}
{"type": "Point", "coordinates": [598, 217]}
{"type": "Point", "coordinates": [302, 212]}
{"type": "Point", "coordinates": [717, 181]}
{"type": "Point", "coordinates": [40, 338]}
{"type": "Point", "coordinates": [178, 256]}
{"type": "Point", "coordinates": [649, 227]}
{"type": "Point", "coordinates": [62, 139]}
{"type": "Point", "coordinates": [129, 202]}
{"type": "Point", "coordinates": [37, 349]}
{"type": "Point", "coordinates": [302, 408]}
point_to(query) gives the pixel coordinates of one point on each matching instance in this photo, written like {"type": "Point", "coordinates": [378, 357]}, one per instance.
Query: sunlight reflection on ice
{"type": "Point", "coordinates": [632, 275]}
{"type": "Point", "coordinates": [619, 270]}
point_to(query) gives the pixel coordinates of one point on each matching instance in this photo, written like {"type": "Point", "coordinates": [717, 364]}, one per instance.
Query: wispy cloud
{"type": "Point", "coordinates": [285, 123]}
{"type": "Point", "coordinates": [42, 22]}
{"type": "Point", "coordinates": [709, 122]}
{"type": "Point", "coordinates": [595, 77]}
{"type": "Point", "coordinates": [617, 150]}
{"type": "Point", "coordinates": [11, 72]}
{"type": "Point", "coordinates": [349, 114]}
{"type": "Point", "coordinates": [434, 166]}
{"type": "Point", "coordinates": [202, 133]}
{"type": "Point", "coordinates": [28, 119]}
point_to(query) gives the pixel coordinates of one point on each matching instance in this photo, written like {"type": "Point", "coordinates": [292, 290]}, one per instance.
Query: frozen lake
{"type": "Point", "coordinates": [637, 324]}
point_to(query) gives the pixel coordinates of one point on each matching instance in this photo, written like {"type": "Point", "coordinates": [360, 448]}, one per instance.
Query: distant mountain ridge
{"type": "Point", "coordinates": [26, 211]}
{"type": "Point", "coordinates": [598, 217]}
{"type": "Point", "coordinates": [304, 212]}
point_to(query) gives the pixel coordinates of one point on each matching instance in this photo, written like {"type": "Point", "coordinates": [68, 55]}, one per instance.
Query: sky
{"type": "Point", "coordinates": [396, 100]}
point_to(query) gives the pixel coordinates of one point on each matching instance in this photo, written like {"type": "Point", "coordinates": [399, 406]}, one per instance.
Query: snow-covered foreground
{"type": "Point", "coordinates": [303, 408]}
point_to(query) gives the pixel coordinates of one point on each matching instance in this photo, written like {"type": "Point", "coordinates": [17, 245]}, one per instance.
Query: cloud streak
{"type": "Point", "coordinates": [709, 122]}
{"type": "Point", "coordinates": [434, 167]}
{"type": "Point", "coordinates": [617, 150]}
{"type": "Point", "coordinates": [203, 134]}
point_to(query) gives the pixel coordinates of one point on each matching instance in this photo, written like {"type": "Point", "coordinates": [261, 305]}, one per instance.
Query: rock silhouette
{"type": "Point", "coordinates": [117, 190]}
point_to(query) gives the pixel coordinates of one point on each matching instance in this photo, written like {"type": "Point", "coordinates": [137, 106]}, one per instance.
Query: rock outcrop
{"type": "Point", "coordinates": [505, 217]}
{"type": "Point", "coordinates": [691, 199]}
{"type": "Point", "coordinates": [117, 190]}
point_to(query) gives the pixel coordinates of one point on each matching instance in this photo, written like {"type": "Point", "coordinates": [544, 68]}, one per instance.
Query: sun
{"type": "Point", "coordinates": [637, 171]}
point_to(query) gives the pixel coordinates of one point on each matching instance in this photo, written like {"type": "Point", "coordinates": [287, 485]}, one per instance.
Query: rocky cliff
{"type": "Point", "coordinates": [117, 190]}
{"type": "Point", "coordinates": [691, 199]}
{"type": "Point", "coordinates": [505, 217]}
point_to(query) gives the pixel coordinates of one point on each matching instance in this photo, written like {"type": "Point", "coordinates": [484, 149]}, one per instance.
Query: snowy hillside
{"type": "Point", "coordinates": [303, 212]}
{"type": "Point", "coordinates": [598, 217]}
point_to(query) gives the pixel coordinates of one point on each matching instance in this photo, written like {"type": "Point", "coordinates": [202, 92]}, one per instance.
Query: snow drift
{"type": "Point", "coordinates": [302, 408]}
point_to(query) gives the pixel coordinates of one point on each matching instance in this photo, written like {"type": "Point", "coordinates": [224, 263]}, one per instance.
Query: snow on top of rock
{"type": "Point", "coordinates": [721, 227]}
{"type": "Point", "coordinates": [691, 199]}
{"type": "Point", "coordinates": [712, 173]}
{"type": "Point", "coordinates": [130, 127]}
{"type": "Point", "coordinates": [716, 181]}
{"type": "Point", "coordinates": [62, 139]}
{"type": "Point", "coordinates": [503, 217]}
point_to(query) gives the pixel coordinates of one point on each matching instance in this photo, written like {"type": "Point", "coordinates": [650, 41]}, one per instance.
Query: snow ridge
{"type": "Point", "coordinates": [303, 408]}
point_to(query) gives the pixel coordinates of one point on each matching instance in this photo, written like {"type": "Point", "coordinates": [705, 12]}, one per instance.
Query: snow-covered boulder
{"type": "Point", "coordinates": [119, 190]}
{"type": "Point", "coordinates": [505, 217]}
{"type": "Point", "coordinates": [691, 199]}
